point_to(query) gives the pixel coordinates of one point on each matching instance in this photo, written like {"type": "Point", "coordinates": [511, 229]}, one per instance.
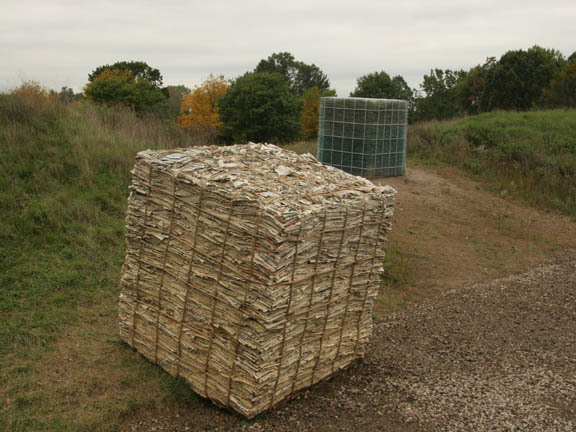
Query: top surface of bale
{"type": "Point", "coordinates": [281, 180]}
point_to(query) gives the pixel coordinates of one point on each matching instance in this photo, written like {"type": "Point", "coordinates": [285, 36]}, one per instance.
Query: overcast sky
{"type": "Point", "coordinates": [59, 42]}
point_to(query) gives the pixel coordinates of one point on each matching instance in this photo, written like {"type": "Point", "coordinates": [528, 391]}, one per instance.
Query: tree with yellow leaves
{"type": "Point", "coordinates": [32, 91]}
{"type": "Point", "coordinates": [199, 109]}
{"type": "Point", "coordinates": [310, 111]}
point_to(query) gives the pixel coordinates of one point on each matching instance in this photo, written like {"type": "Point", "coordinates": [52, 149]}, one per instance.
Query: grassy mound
{"type": "Point", "coordinates": [64, 175]}
{"type": "Point", "coordinates": [530, 155]}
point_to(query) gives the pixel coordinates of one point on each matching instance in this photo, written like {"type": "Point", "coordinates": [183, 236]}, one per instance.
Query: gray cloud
{"type": "Point", "coordinates": [59, 42]}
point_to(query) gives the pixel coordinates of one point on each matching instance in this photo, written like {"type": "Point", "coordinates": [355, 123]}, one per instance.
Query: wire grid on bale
{"type": "Point", "coordinates": [363, 136]}
{"type": "Point", "coordinates": [250, 271]}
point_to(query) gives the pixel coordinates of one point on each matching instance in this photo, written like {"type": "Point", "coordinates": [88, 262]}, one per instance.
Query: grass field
{"type": "Point", "coordinates": [64, 173]}
{"type": "Point", "coordinates": [529, 155]}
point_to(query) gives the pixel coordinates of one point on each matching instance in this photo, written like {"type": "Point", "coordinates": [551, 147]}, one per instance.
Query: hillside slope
{"type": "Point", "coordinates": [64, 174]}
{"type": "Point", "coordinates": [531, 155]}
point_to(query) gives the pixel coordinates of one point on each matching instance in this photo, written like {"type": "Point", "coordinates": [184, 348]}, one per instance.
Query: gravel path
{"type": "Point", "coordinates": [497, 356]}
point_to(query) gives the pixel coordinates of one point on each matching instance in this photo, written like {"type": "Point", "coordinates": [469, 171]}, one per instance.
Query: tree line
{"type": "Point", "coordinates": [278, 101]}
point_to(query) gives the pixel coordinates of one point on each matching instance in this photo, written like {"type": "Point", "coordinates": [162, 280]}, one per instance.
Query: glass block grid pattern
{"type": "Point", "coordinates": [363, 136]}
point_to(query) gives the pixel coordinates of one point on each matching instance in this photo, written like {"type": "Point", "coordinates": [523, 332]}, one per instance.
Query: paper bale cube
{"type": "Point", "coordinates": [250, 271]}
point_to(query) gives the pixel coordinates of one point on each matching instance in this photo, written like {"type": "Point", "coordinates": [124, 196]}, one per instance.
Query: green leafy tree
{"type": "Point", "coordinates": [520, 78]}
{"type": "Point", "coordinates": [176, 94]}
{"type": "Point", "coordinates": [471, 90]}
{"type": "Point", "coordinates": [260, 107]}
{"type": "Point", "coordinates": [380, 85]}
{"type": "Point", "coordinates": [562, 91]}
{"type": "Point", "coordinates": [140, 70]}
{"type": "Point", "coordinates": [119, 87]}
{"type": "Point", "coordinates": [440, 100]}
{"type": "Point", "coordinates": [300, 76]}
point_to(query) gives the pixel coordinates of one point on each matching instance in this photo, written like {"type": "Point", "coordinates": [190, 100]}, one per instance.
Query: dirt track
{"type": "Point", "coordinates": [497, 355]}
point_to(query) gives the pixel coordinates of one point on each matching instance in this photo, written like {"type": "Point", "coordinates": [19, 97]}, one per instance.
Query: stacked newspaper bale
{"type": "Point", "coordinates": [250, 271]}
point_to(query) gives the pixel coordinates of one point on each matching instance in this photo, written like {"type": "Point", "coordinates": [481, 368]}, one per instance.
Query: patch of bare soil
{"type": "Point", "coordinates": [470, 352]}
{"type": "Point", "coordinates": [450, 231]}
